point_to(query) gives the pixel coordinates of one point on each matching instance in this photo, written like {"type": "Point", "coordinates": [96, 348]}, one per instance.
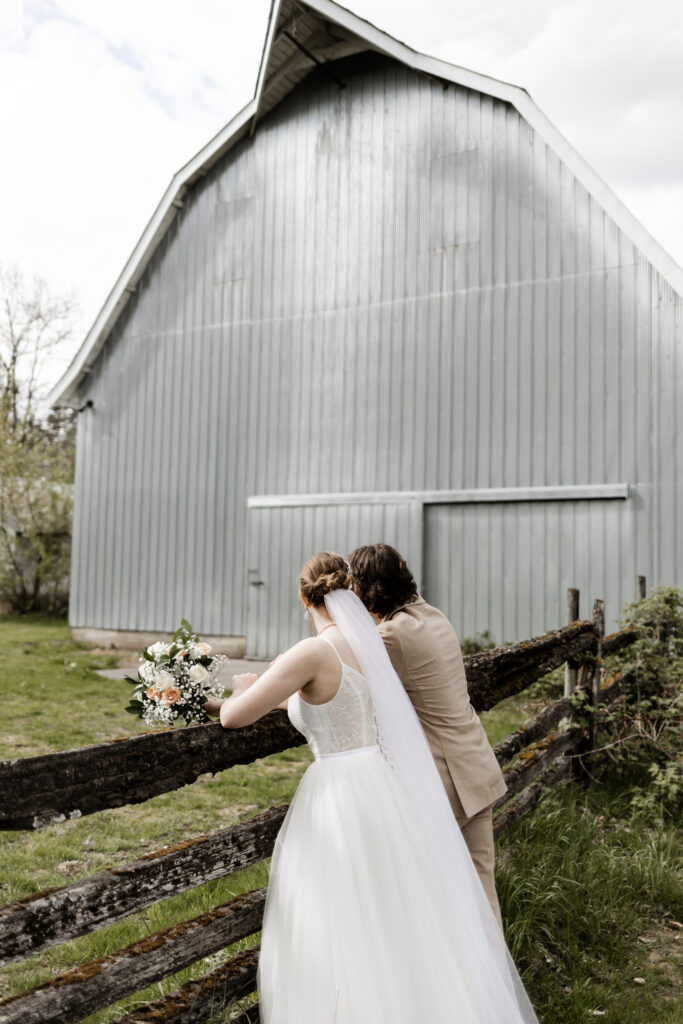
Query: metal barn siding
{"type": "Point", "coordinates": [395, 286]}
{"type": "Point", "coordinates": [504, 567]}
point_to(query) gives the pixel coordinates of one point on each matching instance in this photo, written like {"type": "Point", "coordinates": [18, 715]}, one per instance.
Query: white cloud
{"type": "Point", "coordinates": [108, 101]}
{"type": "Point", "coordinates": [104, 101]}
{"type": "Point", "coordinates": [608, 73]}
{"type": "Point", "coordinates": [612, 78]}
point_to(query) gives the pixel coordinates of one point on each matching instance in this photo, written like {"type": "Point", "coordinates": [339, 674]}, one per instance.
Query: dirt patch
{"type": "Point", "coordinates": [663, 952]}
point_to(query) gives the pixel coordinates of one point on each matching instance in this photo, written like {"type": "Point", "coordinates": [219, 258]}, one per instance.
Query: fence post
{"type": "Point", "coordinates": [642, 588]}
{"type": "Point", "coordinates": [572, 616]}
{"type": "Point", "coordinates": [599, 627]}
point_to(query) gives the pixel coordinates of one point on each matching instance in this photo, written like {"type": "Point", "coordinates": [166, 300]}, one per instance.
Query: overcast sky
{"type": "Point", "coordinates": [103, 100]}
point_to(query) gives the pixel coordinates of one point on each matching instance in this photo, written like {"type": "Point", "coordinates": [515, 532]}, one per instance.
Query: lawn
{"type": "Point", "coordinates": [590, 891]}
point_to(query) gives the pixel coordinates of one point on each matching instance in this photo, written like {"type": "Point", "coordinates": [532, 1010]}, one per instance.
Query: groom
{"type": "Point", "coordinates": [425, 653]}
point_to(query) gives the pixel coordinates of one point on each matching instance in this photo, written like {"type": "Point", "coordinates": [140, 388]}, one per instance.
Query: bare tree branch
{"type": "Point", "coordinates": [36, 455]}
{"type": "Point", "coordinates": [33, 323]}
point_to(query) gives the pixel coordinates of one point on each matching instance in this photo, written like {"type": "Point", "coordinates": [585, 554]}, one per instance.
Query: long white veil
{"type": "Point", "coordinates": [479, 946]}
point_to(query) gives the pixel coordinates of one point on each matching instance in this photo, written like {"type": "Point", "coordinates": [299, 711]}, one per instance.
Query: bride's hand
{"type": "Point", "coordinates": [213, 705]}
{"type": "Point", "coordinates": [242, 682]}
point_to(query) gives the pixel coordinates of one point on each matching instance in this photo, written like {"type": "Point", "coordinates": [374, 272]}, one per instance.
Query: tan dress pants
{"type": "Point", "coordinates": [477, 832]}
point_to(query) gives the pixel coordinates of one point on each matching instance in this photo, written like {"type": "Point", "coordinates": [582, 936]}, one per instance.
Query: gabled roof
{"type": "Point", "coordinates": [302, 34]}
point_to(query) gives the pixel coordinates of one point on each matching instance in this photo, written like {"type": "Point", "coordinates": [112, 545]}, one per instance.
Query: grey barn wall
{"type": "Point", "coordinates": [300, 329]}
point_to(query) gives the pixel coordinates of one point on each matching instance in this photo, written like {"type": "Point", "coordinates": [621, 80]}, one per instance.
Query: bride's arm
{"type": "Point", "coordinates": [286, 675]}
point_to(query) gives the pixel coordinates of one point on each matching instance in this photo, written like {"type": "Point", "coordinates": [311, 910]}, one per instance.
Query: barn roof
{"type": "Point", "coordinates": [301, 35]}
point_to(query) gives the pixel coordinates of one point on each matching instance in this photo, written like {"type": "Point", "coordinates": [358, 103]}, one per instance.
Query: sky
{"type": "Point", "coordinates": [104, 101]}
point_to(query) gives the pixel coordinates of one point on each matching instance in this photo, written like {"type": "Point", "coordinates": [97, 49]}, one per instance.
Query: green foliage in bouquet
{"type": "Point", "coordinates": [175, 680]}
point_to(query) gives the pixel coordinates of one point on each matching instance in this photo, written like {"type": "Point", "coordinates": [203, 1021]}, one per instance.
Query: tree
{"type": "Point", "coordinates": [36, 451]}
{"type": "Point", "coordinates": [33, 323]}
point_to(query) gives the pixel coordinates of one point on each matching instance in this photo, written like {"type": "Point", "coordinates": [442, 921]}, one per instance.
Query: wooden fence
{"type": "Point", "coordinates": [40, 791]}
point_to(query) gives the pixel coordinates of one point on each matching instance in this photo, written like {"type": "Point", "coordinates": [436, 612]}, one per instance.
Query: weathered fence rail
{"type": "Point", "coordinates": [198, 1000]}
{"type": "Point", "coordinates": [40, 791]}
{"type": "Point", "coordinates": [101, 982]}
{"type": "Point", "coordinates": [47, 789]}
{"type": "Point", "coordinates": [44, 919]}
{"type": "Point", "coordinates": [50, 788]}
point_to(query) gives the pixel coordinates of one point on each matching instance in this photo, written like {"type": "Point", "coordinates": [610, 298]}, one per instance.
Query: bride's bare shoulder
{"type": "Point", "coordinates": [305, 650]}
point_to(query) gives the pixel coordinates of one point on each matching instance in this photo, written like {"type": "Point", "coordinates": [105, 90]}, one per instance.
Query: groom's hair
{"type": "Point", "coordinates": [381, 578]}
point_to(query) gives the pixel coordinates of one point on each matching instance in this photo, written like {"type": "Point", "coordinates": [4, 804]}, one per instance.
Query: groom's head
{"type": "Point", "coordinates": [381, 578]}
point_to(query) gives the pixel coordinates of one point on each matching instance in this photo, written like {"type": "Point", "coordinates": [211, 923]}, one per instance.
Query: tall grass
{"type": "Point", "coordinates": [590, 892]}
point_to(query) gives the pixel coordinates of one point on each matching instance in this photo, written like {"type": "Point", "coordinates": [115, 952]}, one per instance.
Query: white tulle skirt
{"type": "Point", "coordinates": [355, 931]}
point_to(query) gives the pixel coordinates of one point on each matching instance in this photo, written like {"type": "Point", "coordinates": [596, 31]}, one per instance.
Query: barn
{"type": "Point", "coordinates": [388, 301]}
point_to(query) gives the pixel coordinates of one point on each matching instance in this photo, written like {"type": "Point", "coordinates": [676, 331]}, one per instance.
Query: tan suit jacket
{"type": "Point", "coordinates": [426, 655]}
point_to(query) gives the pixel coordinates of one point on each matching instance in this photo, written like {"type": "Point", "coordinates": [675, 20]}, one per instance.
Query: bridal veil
{"type": "Point", "coordinates": [478, 944]}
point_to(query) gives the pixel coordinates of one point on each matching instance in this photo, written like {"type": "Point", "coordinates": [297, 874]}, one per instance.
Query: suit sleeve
{"type": "Point", "coordinates": [393, 647]}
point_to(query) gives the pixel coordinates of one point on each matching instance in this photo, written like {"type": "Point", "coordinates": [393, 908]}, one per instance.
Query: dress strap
{"type": "Point", "coordinates": [334, 649]}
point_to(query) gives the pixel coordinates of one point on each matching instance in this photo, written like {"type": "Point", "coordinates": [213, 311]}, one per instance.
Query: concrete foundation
{"type": "Point", "coordinates": [132, 640]}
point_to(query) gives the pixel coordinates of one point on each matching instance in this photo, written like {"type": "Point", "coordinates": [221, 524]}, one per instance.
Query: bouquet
{"type": "Point", "coordinates": [175, 680]}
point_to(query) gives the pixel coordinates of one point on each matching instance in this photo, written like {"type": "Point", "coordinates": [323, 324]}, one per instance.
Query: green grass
{"type": "Point", "coordinates": [52, 698]}
{"type": "Point", "coordinates": [591, 893]}
{"type": "Point", "coordinates": [511, 713]}
{"type": "Point", "coordinates": [588, 889]}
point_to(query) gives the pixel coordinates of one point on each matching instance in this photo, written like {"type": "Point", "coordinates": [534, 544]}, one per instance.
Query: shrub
{"type": "Point", "coordinates": [641, 730]}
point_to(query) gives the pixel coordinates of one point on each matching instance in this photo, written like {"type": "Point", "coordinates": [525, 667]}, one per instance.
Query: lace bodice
{"type": "Point", "coordinates": [344, 722]}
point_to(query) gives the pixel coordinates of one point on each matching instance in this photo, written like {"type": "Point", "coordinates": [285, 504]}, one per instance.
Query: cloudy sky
{"type": "Point", "coordinates": [103, 101]}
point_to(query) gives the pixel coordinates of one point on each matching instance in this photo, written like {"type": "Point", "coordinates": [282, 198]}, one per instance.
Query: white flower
{"type": "Point", "coordinates": [198, 673]}
{"type": "Point", "coordinates": [159, 649]}
{"type": "Point", "coordinates": [158, 715]}
{"type": "Point", "coordinates": [147, 671]}
{"type": "Point", "coordinates": [204, 648]}
{"type": "Point", "coordinates": [164, 679]}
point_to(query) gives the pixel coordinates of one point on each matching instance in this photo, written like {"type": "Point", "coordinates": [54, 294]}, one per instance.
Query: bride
{"type": "Point", "coordinates": [375, 913]}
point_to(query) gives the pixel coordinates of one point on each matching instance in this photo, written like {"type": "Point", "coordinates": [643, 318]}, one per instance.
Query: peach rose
{"type": "Point", "coordinates": [171, 695]}
{"type": "Point", "coordinates": [153, 693]}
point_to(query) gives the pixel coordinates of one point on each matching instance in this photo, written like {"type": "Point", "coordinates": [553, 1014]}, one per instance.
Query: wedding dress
{"type": "Point", "coordinates": [361, 924]}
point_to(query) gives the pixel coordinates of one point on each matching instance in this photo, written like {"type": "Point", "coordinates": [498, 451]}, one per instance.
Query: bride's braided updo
{"type": "Point", "coordinates": [323, 573]}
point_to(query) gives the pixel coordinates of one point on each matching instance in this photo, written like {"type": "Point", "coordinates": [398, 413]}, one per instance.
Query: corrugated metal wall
{"type": "Point", "coordinates": [392, 286]}
{"type": "Point", "coordinates": [510, 563]}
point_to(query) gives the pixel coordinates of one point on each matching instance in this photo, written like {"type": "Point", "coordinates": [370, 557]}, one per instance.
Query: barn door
{"type": "Point", "coordinates": [505, 566]}
{"type": "Point", "coordinates": [280, 539]}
